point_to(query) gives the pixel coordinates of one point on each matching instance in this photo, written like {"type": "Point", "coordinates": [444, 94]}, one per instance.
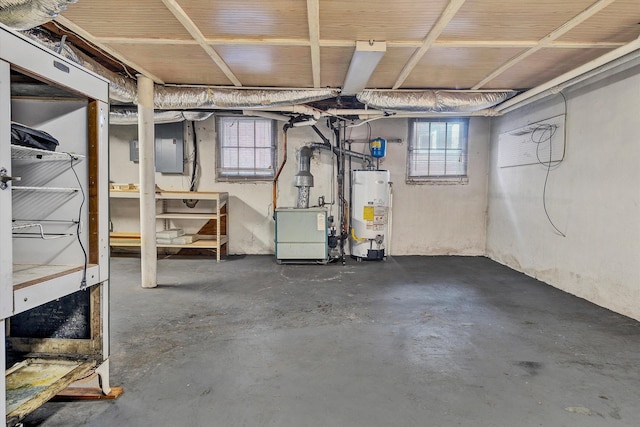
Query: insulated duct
{"type": "Point", "coordinates": [121, 88]}
{"type": "Point", "coordinates": [124, 89]}
{"type": "Point", "coordinates": [175, 97]}
{"type": "Point", "coordinates": [130, 117]}
{"type": "Point", "coordinates": [303, 179]}
{"type": "Point", "coordinates": [25, 14]}
{"type": "Point", "coordinates": [440, 101]}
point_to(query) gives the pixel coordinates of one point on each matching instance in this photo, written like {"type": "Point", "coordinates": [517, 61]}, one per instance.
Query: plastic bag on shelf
{"type": "Point", "coordinates": [29, 137]}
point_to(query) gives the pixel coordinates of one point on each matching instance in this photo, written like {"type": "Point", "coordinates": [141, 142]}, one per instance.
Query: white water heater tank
{"type": "Point", "coordinates": [370, 191]}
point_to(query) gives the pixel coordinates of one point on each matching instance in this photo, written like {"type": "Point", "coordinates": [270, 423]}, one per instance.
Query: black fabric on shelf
{"type": "Point", "coordinates": [29, 137]}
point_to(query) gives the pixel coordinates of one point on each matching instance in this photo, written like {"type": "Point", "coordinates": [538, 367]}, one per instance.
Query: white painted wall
{"type": "Point", "coordinates": [593, 197]}
{"type": "Point", "coordinates": [427, 219]}
{"type": "Point", "coordinates": [441, 219]}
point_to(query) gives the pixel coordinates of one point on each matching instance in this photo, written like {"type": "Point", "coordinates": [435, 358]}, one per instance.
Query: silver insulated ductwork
{"type": "Point", "coordinates": [178, 97]}
{"type": "Point", "coordinates": [121, 89]}
{"type": "Point", "coordinates": [303, 179]}
{"type": "Point", "coordinates": [130, 117]}
{"type": "Point", "coordinates": [436, 101]}
{"type": "Point", "coordinates": [124, 89]}
{"type": "Point", "coordinates": [25, 14]}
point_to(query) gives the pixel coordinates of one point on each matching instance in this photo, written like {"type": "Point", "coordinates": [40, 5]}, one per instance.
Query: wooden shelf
{"type": "Point", "coordinates": [204, 243]}
{"type": "Point", "coordinates": [180, 215]}
{"type": "Point", "coordinates": [117, 194]}
{"type": "Point", "coordinates": [171, 209]}
{"type": "Point", "coordinates": [221, 197]}
{"type": "Point", "coordinates": [34, 285]}
{"type": "Point", "coordinates": [24, 274]}
{"type": "Point", "coordinates": [199, 195]}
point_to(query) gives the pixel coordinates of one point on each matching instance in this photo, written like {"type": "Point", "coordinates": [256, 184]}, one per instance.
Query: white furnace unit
{"type": "Point", "coordinates": [370, 192]}
{"type": "Point", "coordinates": [301, 235]}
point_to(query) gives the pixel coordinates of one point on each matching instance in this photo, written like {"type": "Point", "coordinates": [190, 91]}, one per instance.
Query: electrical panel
{"type": "Point", "coordinates": [134, 153]}
{"type": "Point", "coordinates": [169, 148]}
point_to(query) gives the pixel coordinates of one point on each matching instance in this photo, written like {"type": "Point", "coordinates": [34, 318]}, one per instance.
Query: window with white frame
{"type": "Point", "coordinates": [246, 147]}
{"type": "Point", "coordinates": [437, 150]}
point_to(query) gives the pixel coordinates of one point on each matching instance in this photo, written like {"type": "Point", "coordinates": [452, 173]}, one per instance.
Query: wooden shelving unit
{"type": "Point", "coordinates": [171, 210]}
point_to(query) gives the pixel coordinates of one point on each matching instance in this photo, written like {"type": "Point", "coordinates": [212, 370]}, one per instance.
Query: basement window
{"type": "Point", "coordinates": [437, 151]}
{"type": "Point", "coordinates": [246, 148]}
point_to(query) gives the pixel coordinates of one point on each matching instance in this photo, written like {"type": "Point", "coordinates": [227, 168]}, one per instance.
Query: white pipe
{"type": "Point", "coordinates": [390, 220]}
{"type": "Point", "coordinates": [370, 113]}
{"type": "Point", "coordinates": [354, 112]}
{"type": "Point", "coordinates": [482, 113]}
{"type": "Point", "coordinates": [266, 115]}
{"type": "Point", "coordinates": [487, 112]}
{"type": "Point", "coordinates": [589, 66]}
{"type": "Point", "coordinates": [146, 137]}
{"type": "Point", "coordinates": [309, 122]}
{"type": "Point", "coordinates": [298, 109]}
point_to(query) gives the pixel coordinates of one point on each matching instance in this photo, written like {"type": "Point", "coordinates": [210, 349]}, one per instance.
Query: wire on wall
{"type": "Point", "coordinates": [541, 134]}
{"type": "Point", "coordinates": [83, 282]}
{"type": "Point", "coordinates": [195, 170]}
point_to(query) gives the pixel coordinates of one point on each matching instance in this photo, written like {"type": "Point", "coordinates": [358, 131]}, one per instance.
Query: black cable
{"type": "Point", "coordinates": [551, 130]}
{"type": "Point", "coordinates": [544, 193]}
{"type": "Point", "coordinates": [83, 282]}
{"type": "Point", "coordinates": [195, 158]}
{"type": "Point", "coordinates": [542, 130]}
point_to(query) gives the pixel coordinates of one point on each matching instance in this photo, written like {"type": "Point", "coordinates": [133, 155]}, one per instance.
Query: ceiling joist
{"type": "Point", "coordinates": [197, 35]}
{"type": "Point", "coordinates": [351, 43]}
{"type": "Point", "coordinates": [547, 40]}
{"type": "Point", "coordinates": [81, 32]}
{"type": "Point", "coordinates": [445, 17]}
{"type": "Point", "coordinates": [313, 18]}
{"type": "Point", "coordinates": [145, 40]}
{"type": "Point", "coordinates": [307, 44]}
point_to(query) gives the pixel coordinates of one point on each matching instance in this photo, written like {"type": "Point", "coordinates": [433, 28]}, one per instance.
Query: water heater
{"type": "Point", "coordinates": [369, 213]}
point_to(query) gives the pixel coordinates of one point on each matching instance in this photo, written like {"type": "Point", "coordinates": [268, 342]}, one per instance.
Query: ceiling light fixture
{"type": "Point", "coordinates": [363, 63]}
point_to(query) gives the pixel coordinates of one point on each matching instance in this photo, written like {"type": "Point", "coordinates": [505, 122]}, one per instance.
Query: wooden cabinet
{"type": "Point", "coordinates": [54, 254]}
{"type": "Point", "coordinates": [173, 212]}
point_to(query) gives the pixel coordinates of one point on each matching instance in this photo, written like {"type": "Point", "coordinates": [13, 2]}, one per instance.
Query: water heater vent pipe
{"type": "Point", "coordinates": [303, 179]}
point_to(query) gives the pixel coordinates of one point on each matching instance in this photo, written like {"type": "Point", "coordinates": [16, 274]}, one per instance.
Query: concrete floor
{"type": "Point", "coordinates": [413, 341]}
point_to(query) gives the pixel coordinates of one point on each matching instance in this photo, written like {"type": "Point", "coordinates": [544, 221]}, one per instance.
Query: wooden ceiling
{"type": "Point", "coordinates": [453, 44]}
